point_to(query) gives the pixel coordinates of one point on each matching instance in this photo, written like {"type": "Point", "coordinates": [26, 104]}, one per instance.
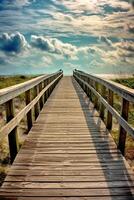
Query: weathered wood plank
{"type": "Point", "coordinates": [124, 191]}
{"type": "Point", "coordinates": [72, 198]}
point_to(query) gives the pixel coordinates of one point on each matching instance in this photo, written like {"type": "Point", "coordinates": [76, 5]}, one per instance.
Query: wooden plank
{"type": "Point", "coordinates": [124, 191]}
{"type": "Point", "coordinates": [65, 185]}
{"type": "Point", "coordinates": [72, 198]}
{"type": "Point", "coordinates": [49, 179]}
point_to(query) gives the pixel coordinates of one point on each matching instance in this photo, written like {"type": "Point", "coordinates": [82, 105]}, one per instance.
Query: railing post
{"type": "Point", "coordinates": [49, 80]}
{"type": "Point", "coordinates": [29, 114]}
{"type": "Point", "coordinates": [13, 135]}
{"type": "Point", "coordinates": [47, 95]}
{"type": "Point", "coordinates": [89, 91]}
{"type": "Point", "coordinates": [50, 89]}
{"type": "Point", "coordinates": [41, 99]}
{"type": "Point", "coordinates": [102, 108]}
{"type": "Point", "coordinates": [85, 79]}
{"type": "Point", "coordinates": [91, 83]}
{"type": "Point", "coordinates": [45, 84]}
{"type": "Point", "coordinates": [96, 99]}
{"type": "Point", "coordinates": [123, 133]}
{"type": "Point", "coordinates": [109, 115]}
{"type": "Point", "coordinates": [36, 107]}
{"type": "Point", "coordinates": [42, 89]}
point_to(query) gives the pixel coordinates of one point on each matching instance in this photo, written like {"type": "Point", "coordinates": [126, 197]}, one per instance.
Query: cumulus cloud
{"type": "Point", "coordinates": [57, 47]}
{"type": "Point", "coordinates": [16, 43]}
{"type": "Point", "coordinates": [53, 45]}
{"type": "Point", "coordinates": [117, 53]}
{"type": "Point", "coordinates": [13, 43]}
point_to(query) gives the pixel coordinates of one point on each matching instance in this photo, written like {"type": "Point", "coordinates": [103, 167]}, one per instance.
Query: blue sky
{"type": "Point", "coordinates": [42, 36]}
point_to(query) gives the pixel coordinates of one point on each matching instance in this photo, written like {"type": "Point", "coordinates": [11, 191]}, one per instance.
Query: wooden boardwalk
{"type": "Point", "coordinates": [68, 154]}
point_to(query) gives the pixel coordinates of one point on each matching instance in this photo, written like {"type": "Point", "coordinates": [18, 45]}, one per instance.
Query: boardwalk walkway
{"type": "Point", "coordinates": [68, 154]}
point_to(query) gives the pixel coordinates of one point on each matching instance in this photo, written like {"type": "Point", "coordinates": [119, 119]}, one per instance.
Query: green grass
{"type": "Point", "coordinates": [7, 81]}
{"type": "Point", "coordinates": [129, 82]}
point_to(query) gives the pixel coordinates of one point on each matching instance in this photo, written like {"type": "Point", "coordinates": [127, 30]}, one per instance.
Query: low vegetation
{"type": "Point", "coordinates": [129, 82]}
{"type": "Point", "coordinates": [7, 81]}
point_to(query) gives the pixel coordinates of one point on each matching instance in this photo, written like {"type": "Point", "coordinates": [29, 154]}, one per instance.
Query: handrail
{"type": "Point", "coordinates": [13, 91]}
{"type": "Point", "coordinates": [43, 86]}
{"type": "Point", "coordinates": [90, 85]}
{"type": "Point", "coordinates": [121, 90]}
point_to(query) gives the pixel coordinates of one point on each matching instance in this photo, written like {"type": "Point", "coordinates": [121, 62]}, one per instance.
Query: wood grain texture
{"type": "Point", "coordinates": [68, 154]}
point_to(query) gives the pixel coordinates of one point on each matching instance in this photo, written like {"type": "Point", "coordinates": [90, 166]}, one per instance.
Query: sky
{"type": "Point", "coordinates": [43, 36]}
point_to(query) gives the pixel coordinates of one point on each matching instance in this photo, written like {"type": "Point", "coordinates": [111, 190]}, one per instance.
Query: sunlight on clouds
{"type": "Point", "coordinates": [53, 45]}
{"type": "Point", "coordinates": [118, 24]}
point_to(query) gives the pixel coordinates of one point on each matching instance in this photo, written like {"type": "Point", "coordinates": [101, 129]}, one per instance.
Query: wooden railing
{"type": "Point", "coordinates": [95, 88]}
{"type": "Point", "coordinates": [42, 86]}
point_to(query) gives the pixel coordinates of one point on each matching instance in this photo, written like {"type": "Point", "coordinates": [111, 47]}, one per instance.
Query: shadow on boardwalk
{"type": "Point", "coordinates": [111, 163]}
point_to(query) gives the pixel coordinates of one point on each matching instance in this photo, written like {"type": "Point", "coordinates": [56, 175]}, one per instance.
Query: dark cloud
{"type": "Point", "coordinates": [12, 43]}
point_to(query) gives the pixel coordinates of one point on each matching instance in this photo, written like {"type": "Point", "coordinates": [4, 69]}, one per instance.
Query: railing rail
{"type": "Point", "coordinates": [43, 86]}
{"type": "Point", "coordinates": [90, 84]}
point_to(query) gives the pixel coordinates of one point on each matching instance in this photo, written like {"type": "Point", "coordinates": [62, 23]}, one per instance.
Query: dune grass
{"type": "Point", "coordinates": [129, 82]}
{"type": "Point", "coordinates": [7, 81]}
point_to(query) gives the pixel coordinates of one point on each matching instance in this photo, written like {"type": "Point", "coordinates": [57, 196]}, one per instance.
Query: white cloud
{"type": "Point", "coordinates": [80, 6]}
{"type": "Point", "coordinates": [53, 45]}
{"type": "Point", "coordinates": [117, 53]}
{"type": "Point", "coordinates": [47, 60]}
